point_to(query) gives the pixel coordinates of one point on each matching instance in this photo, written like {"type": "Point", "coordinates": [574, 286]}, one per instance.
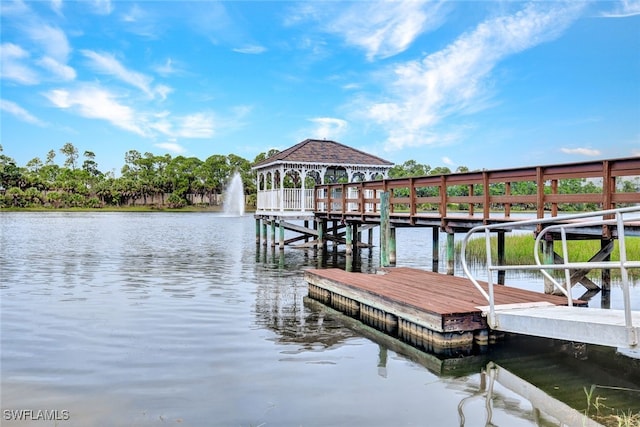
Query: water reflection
{"type": "Point", "coordinates": [550, 378]}
{"type": "Point", "coordinates": [155, 319]}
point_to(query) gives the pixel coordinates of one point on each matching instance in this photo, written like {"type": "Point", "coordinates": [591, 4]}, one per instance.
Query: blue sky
{"type": "Point", "coordinates": [484, 84]}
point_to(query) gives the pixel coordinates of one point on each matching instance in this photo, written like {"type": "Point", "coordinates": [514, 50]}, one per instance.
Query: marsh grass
{"type": "Point", "coordinates": [598, 411]}
{"type": "Point", "coordinates": [519, 251]}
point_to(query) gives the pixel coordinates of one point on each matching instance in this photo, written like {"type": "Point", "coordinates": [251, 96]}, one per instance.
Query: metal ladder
{"type": "Point", "coordinates": [618, 328]}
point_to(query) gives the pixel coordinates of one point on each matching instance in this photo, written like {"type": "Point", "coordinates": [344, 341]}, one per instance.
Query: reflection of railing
{"type": "Point", "coordinates": [540, 400]}
{"type": "Point", "coordinates": [285, 199]}
{"type": "Point", "coordinates": [569, 222]}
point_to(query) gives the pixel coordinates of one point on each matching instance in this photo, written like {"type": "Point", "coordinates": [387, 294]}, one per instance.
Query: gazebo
{"type": "Point", "coordinates": [285, 182]}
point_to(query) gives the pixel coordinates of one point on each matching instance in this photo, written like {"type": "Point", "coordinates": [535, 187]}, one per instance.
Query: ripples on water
{"type": "Point", "coordinates": [158, 318]}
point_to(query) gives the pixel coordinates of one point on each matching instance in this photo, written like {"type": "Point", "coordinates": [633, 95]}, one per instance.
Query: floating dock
{"type": "Point", "coordinates": [433, 311]}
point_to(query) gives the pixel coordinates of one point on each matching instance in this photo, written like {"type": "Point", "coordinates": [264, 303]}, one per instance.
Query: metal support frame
{"type": "Point", "coordinates": [569, 222]}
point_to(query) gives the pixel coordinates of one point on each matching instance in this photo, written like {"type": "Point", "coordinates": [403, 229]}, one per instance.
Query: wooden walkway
{"type": "Point", "coordinates": [433, 310]}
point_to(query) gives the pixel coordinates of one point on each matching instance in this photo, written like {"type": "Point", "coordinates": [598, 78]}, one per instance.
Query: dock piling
{"type": "Point", "coordinates": [451, 250]}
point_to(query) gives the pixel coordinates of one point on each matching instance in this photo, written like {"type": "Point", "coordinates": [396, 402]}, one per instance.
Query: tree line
{"type": "Point", "coordinates": [174, 182]}
{"type": "Point", "coordinates": [78, 182]}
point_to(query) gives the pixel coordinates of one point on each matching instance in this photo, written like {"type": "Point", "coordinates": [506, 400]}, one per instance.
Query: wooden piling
{"type": "Point", "coordinates": [384, 229]}
{"type": "Point", "coordinates": [281, 242]}
{"type": "Point", "coordinates": [322, 228]}
{"type": "Point", "coordinates": [501, 258]}
{"type": "Point", "coordinates": [273, 233]}
{"type": "Point", "coordinates": [348, 239]}
{"type": "Point", "coordinates": [451, 251]}
{"type": "Point", "coordinates": [392, 246]}
{"type": "Point", "coordinates": [435, 248]}
{"type": "Point", "coordinates": [606, 273]}
{"type": "Point", "coordinates": [549, 258]}
{"type": "Point", "coordinates": [264, 233]}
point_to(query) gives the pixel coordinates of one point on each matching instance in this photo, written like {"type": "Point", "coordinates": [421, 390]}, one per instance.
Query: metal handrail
{"type": "Point", "coordinates": [623, 264]}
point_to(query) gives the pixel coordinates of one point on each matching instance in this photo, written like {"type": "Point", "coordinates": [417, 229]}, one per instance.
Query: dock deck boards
{"type": "Point", "coordinates": [433, 292]}
{"type": "Point", "coordinates": [436, 307]}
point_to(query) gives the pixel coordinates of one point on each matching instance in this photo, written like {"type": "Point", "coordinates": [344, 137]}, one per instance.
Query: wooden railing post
{"type": "Point", "coordinates": [554, 191]}
{"type": "Point", "coordinates": [412, 198]}
{"type": "Point", "coordinates": [539, 192]}
{"type": "Point", "coordinates": [443, 196]}
{"type": "Point", "coordinates": [608, 186]}
{"type": "Point", "coordinates": [486, 209]}
{"type": "Point", "coordinates": [507, 206]}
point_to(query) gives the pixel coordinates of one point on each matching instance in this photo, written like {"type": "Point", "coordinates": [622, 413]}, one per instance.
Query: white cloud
{"type": "Point", "coordinates": [381, 29]}
{"type": "Point", "coordinates": [143, 22]}
{"type": "Point", "coordinates": [56, 5]}
{"type": "Point", "coordinates": [623, 9]}
{"type": "Point", "coordinates": [199, 125]}
{"type": "Point", "coordinates": [251, 49]}
{"type": "Point", "coordinates": [60, 70]}
{"type": "Point", "coordinates": [52, 40]}
{"type": "Point", "coordinates": [134, 15]}
{"type": "Point", "coordinates": [108, 64]}
{"type": "Point", "coordinates": [447, 161]}
{"type": "Point", "coordinates": [50, 45]}
{"type": "Point", "coordinates": [12, 58]}
{"type": "Point", "coordinates": [102, 7]}
{"type": "Point", "coordinates": [454, 80]}
{"type": "Point", "coordinates": [97, 103]}
{"type": "Point", "coordinates": [328, 127]}
{"type": "Point", "coordinates": [384, 29]}
{"type": "Point", "coordinates": [172, 147]}
{"type": "Point", "coordinates": [168, 68]}
{"type": "Point", "coordinates": [581, 151]}
{"type": "Point", "coordinates": [19, 112]}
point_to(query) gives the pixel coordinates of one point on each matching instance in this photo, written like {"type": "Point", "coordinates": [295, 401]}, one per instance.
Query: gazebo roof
{"type": "Point", "coordinates": [314, 151]}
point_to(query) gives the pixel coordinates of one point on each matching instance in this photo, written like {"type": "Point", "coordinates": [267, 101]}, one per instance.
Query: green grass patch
{"type": "Point", "coordinates": [519, 251]}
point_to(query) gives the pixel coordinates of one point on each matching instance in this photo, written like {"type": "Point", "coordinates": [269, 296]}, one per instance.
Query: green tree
{"type": "Point", "coordinates": [410, 168]}
{"type": "Point", "coordinates": [71, 154]}
{"type": "Point", "coordinates": [89, 165]}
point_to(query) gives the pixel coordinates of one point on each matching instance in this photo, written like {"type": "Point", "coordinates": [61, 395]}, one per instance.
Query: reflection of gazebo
{"type": "Point", "coordinates": [285, 180]}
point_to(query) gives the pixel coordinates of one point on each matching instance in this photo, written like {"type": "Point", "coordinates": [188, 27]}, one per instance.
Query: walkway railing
{"type": "Point", "coordinates": [620, 218]}
{"type": "Point", "coordinates": [539, 188]}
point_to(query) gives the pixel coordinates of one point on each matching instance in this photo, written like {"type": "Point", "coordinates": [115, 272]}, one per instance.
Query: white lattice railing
{"type": "Point", "coordinates": [286, 199]}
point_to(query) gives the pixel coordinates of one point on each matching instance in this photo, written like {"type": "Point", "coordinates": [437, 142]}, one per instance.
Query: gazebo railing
{"type": "Point", "coordinates": [285, 199]}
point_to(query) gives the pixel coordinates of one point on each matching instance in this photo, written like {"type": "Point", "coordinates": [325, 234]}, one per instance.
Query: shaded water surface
{"type": "Point", "coordinates": [140, 319]}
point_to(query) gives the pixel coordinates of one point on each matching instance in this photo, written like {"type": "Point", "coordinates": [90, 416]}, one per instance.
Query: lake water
{"type": "Point", "coordinates": [145, 319]}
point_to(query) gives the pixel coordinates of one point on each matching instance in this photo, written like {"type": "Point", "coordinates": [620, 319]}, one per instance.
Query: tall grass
{"type": "Point", "coordinates": [519, 251]}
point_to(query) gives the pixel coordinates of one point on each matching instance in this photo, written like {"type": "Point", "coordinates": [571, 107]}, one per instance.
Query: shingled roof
{"type": "Point", "coordinates": [323, 151]}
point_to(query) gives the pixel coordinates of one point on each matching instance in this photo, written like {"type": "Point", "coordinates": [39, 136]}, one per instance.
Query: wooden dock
{"type": "Point", "coordinates": [434, 311]}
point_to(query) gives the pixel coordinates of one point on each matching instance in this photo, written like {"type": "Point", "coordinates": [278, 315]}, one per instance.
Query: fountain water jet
{"type": "Point", "coordinates": [234, 197]}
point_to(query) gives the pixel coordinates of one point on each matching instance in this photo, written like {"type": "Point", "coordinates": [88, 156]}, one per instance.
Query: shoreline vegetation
{"type": "Point", "coordinates": [519, 251]}
{"type": "Point", "coordinates": [124, 209]}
